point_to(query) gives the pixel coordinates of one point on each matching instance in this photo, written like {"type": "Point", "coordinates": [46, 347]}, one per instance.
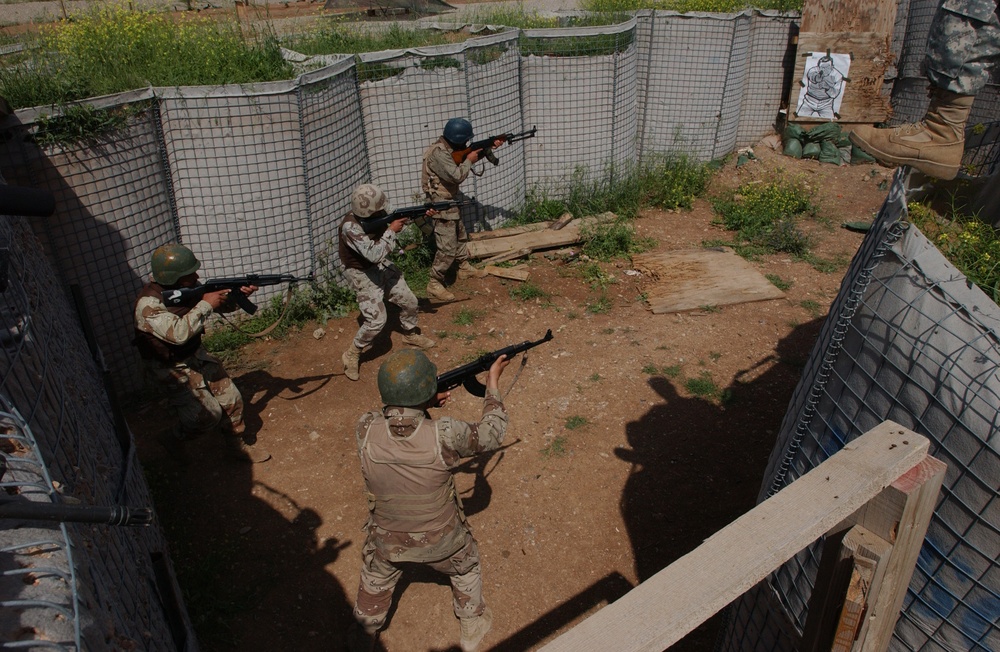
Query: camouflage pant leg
{"type": "Point", "coordinates": [202, 395]}
{"type": "Point", "coordinates": [450, 238]}
{"type": "Point", "coordinates": [378, 580]}
{"type": "Point", "coordinates": [465, 572]}
{"type": "Point", "coordinates": [371, 287]}
{"type": "Point", "coordinates": [963, 45]}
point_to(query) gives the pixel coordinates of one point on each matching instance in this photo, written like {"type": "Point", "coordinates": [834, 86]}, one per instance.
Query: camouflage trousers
{"type": "Point", "coordinates": [201, 393]}
{"type": "Point", "coordinates": [963, 45]}
{"type": "Point", "coordinates": [379, 576]}
{"type": "Point", "coordinates": [450, 238]}
{"type": "Point", "coordinates": [372, 287]}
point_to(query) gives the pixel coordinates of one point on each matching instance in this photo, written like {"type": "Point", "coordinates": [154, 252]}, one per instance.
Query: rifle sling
{"type": "Point", "coordinates": [266, 331]}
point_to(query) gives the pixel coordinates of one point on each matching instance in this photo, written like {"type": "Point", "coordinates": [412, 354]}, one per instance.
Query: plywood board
{"type": "Point", "coordinates": [871, 56]}
{"type": "Point", "coordinates": [693, 278]}
{"type": "Point", "coordinates": [848, 15]}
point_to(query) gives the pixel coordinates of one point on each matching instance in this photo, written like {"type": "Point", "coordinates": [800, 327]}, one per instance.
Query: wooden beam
{"type": "Point", "coordinates": [666, 607]}
{"type": "Point", "coordinates": [519, 273]}
{"type": "Point", "coordinates": [510, 255]}
{"type": "Point", "coordinates": [514, 230]}
{"type": "Point", "coordinates": [562, 221]}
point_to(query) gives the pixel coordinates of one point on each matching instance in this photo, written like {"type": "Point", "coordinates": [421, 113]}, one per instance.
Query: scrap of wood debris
{"type": "Point", "coordinates": [520, 241]}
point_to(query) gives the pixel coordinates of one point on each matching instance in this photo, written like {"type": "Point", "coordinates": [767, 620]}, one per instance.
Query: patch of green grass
{"type": "Point", "coordinates": [575, 422]}
{"type": "Point", "coordinates": [971, 244]}
{"type": "Point", "coordinates": [812, 307]}
{"type": "Point", "coordinates": [778, 282]}
{"type": "Point", "coordinates": [595, 276]}
{"type": "Point", "coordinates": [672, 371]}
{"type": "Point", "coordinates": [527, 291]}
{"type": "Point", "coordinates": [594, 377]}
{"type": "Point", "coordinates": [650, 369]}
{"type": "Point", "coordinates": [711, 308]}
{"type": "Point", "coordinates": [763, 215]}
{"type": "Point", "coordinates": [466, 317]}
{"type": "Point", "coordinates": [702, 386]}
{"type": "Point", "coordinates": [606, 241]}
{"type": "Point", "coordinates": [111, 48]}
{"type": "Point", "coordinates": [556, 448]}
{"type": "Point", "coordinates": [336, 38]}
{"type": "Point", "coordinates": [602, 305]}
{"type": "Point", "coordinates": [415, 258]}
{"type": "Point", "coordinates": [714, 356]}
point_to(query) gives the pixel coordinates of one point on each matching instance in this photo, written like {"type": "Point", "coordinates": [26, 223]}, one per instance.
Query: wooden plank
{"type": "Point", "coordinates": [514, 230]}
{"type": "Point", "coordinates": [531, 241]}
{"type": "Point", "coordinates": [849, 623]}
{"type": "Point", "coordinates": [848, 15]}
{"type": "Point", "coordinates": [663, 609]}
{"type": "Point", "coordinates": [519, 273]}
{"type": "Point", "coordinates": [871, 55]}
{"type": "Point", "coordinates": [562, 221]}
{"type": "Point", "coordinates": [867, 545]}
{"type": "Point", "coordinates": [912, 497]}
{"type": "Point", "coordinates": [510, 255]}
{"type": "Point", "coordinates": [692, 278]}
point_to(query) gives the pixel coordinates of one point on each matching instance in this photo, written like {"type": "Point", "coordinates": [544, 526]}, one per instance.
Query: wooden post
{"type": "Point", "coordinates": [666, 607]}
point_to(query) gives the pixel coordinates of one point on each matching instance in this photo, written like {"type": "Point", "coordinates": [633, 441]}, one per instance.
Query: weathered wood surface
{"type": "Point", "coordinates": [666, 607]}
{"type": "Point", "coordinates": [693, 278]}
{"type": "Point", "coordinates": [519, 273]}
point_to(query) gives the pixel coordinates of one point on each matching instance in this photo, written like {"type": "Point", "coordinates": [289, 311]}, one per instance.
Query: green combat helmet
{"type": "Point", "coordinates": [172, 262]}
{"type": "Point", "coordinates": [407, 379]}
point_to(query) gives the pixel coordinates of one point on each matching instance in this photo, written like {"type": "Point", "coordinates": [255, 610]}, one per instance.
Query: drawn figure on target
{"type": "Point", "coordinates": [823, 85]}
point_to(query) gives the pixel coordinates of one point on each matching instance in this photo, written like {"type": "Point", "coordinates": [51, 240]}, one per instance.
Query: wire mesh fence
{"type": "Point", "coordinates": [69, 585]}
{"type": "Point", "coordinates": [908, 340]}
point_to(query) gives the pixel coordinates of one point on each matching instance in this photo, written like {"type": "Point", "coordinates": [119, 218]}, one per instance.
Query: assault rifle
{"type": "Point", "coordinates": [466, 374]}
{"type": "Point", "coordinates": [379, 224]}
{"type": "Point", "coordinates": [486, 146]}
{"type": "Point", "coordinates": [181, 296]}
{"type": "Point", "coordinates": [109, 515]}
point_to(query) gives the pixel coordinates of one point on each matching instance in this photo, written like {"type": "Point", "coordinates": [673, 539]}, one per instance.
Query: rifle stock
{"type": "Point", "coordinates": [466, 374]}
{"type": "Point", "coordinates": [380, 224]}
{"type": "Point", "coordinates": [486, 146]}
{"type": "Point", "coordinates": [181, 296]}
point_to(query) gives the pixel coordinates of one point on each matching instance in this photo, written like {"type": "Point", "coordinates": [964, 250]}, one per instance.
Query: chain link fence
{"type": "Point", "coordinates": [908, 339]}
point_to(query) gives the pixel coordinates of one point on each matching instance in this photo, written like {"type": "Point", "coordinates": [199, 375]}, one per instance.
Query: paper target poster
{"type": "Point", "coordinates": [823, 83]}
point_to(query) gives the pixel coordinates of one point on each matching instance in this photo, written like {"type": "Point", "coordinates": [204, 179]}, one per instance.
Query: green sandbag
{"type": "Point", "coordinates": [829, 152]}
{"type": "Point", "coordinates": [793, 148]}
{"type": "Point", "coordinates": [811, 150]}
{"type": "Point", "coordinates": [860, 156]}
{"type": "Point", "coordinates": [792, 132]}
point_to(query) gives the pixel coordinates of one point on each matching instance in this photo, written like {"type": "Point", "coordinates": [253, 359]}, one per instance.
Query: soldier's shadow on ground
{"type": "Point", "coordinates": [698, 463]}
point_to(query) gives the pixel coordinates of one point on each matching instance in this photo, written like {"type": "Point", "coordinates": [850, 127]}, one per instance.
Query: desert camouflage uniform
{"type": "Point", "coordinates": [198, 388]}
{"type": "Point", "coordinates": [963, 45]}
{"type": "Point", "coordinates": [374, 277]}
{"type": "Point", "coordinates": [416, 513]}
{"type": "Point", "coordinates": [440, 178]}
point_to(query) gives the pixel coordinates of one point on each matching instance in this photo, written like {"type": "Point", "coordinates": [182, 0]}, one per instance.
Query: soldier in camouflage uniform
{"type": "Point", "coordinates": [373, 276]}
{"type": "Point", "coordinates": [440, 178]}
{"type": "Point", "coordinates": [962, 47]}
{"type": "Point", "coordinates": [415, 512]}
{"type": "Point", "coordinates": [198, 388]}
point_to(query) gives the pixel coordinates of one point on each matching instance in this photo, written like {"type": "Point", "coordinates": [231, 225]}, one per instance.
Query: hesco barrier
{"type": "Point", "coordinates": [910, 340]}
{"type": "Point", "coordinates": [70, 585]}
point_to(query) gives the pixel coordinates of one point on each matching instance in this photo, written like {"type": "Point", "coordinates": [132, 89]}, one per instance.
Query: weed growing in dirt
{"type": "Point", "coordinates": [650, 369]}
{"type": "Point", "coordinates": [607, 241]}
{"type": "Point", "coordinates": [466, 317]}
{"type": "Point", "coordinates": [764, 215]}
{"type": "Point", "coordinates": [556, 448]}
{"type": "Point", "coordinates": [971, 244]}
{"type": "Point", "coordinates": [601, 306]}
{"type": "Point", "coordinates": [595, 377]}
{"type": "Point", "coordinates": [111, 48]}
{"type": "Point", "coordinates": [596, 277]}
{"type": "Point", "coordinates": [672, 371]}
{"type": "Point", "coordinates": [702, 386]}
{"type": "Point", "coordinates": [575, 422]}
{"type": "Point", "coordinates": [415, 258]}
{"type": "Point", "coordinates": [527, 291]}
{"type": "Point", "coordinates": [778, 282]}
{"type": "Point", "coordinates": [345, 39]}
{"type": "Point", "coordinates": [812, 307]}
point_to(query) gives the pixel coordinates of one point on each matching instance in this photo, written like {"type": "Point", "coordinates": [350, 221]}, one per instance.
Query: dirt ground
{"type": "Point", "coordinates": [611, 472]}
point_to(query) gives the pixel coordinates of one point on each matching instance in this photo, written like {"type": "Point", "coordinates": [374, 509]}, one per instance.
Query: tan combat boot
{"type": "Point", "coordinates": [417, 340]}
{"type": "Point", "coordinates": [351, 360]}
{"type": "Point", "coordinates": [437, 291]}
{"type": "Point", "coordinates": [474, 629]}
{"type": "Point", "coordinates": [934, 145]}
{"type": "Point", "coordinates": [466, 270]}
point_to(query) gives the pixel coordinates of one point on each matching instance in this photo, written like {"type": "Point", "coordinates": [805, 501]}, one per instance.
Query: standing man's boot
{"type": "Point", "coordinates": [437, 291]}
{"type": "Point", "coordinates": [466, 270]}
{"type": "Point", "coordinates": [415, 339]}
{"type": "Point", "coordinates": [934, 145]}
{"type": "Point", "coordinates": [351, 360]}
{"type": "Point", "coordinates": [474, 629]}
